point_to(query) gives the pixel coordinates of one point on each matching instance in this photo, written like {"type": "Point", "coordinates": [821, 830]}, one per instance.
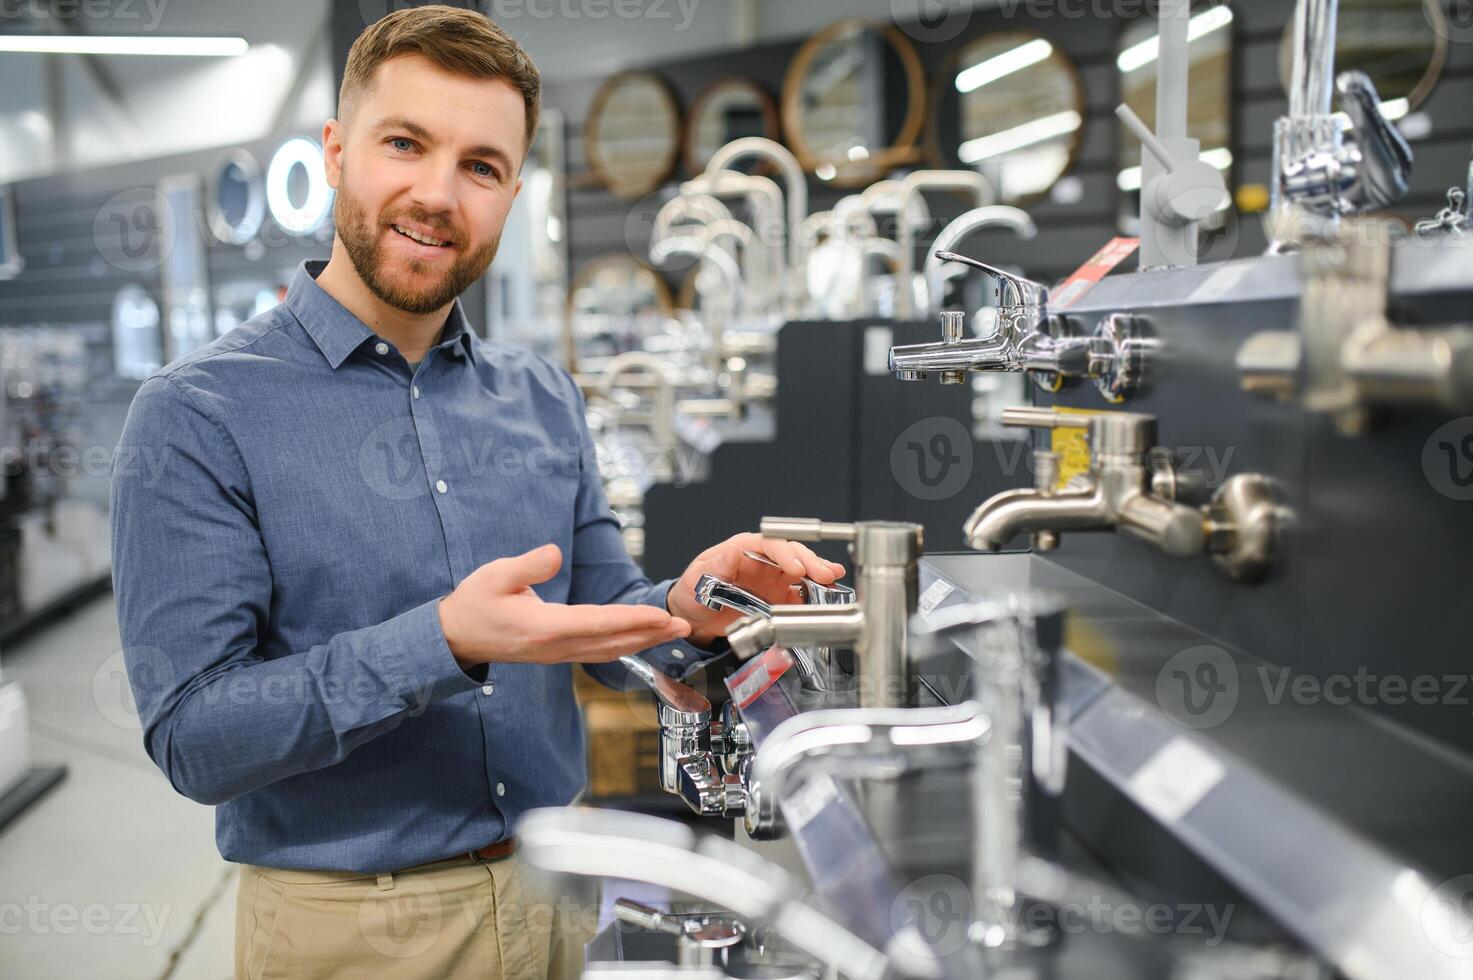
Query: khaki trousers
{"type": "Point", "coordinates": [457, 918]}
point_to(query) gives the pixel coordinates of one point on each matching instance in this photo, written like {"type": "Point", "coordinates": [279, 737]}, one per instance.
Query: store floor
{"type": "Point", "coordinates": [110, 874]}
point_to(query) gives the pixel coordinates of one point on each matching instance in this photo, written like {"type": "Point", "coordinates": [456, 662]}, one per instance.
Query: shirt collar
{"type": "Point", "coordinates": [338, 333]}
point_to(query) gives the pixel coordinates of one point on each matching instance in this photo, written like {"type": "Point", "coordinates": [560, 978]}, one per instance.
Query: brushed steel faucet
{"type": "Point", "coordinates": [1348, 359]}
{"type": "Point", "coordinates": [873, 625]}
{"type": "Point", "coordinates": [1122, 493]}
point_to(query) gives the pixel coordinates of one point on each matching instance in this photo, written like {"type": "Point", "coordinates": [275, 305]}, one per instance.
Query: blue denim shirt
{"type": "Point", "coordinates": [289, 504]}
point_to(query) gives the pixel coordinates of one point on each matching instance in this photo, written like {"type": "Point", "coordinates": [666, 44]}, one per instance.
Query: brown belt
{"type": "Point", "coordinates": [497, 851]}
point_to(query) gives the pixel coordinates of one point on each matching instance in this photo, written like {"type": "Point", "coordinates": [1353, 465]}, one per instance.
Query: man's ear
{"type": "Point", "coordinates": [332, 151]}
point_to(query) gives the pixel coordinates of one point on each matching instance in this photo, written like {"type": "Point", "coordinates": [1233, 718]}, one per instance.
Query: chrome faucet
{"type": "Point", "coordinates": [997, 215]}
{"type": "Point", "coordinates": [874, 625]}
{"type": "Point", "coordinates": [636, 847]}
{"type": "Point", "coordinates": [651, 373]}
{"type": "Point", "coordinates": [1026, 339]}
{"type": "Point", "coordinates": [1347, 358]}
{"type": "Point", "coordinates": [1009, 737]}
{"type": "Point", "coordinates": [1322, 165]}
{"type": "Point", "coordinates": [816, 667]}
{"type": "Point", "coordinates": [1121, 492]}
{"type": "Point", "coordinates": [698, 758]}
{"type": "Point", "coordinates": [1453, 219]}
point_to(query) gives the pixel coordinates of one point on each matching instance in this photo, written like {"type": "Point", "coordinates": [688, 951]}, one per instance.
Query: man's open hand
{"type": "Point", "coordinates": [493, 615]}
{"type": "Point", "coordinates": [727, 562]}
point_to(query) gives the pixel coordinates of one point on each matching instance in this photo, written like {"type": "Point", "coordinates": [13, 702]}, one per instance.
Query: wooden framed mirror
{"type": "Point", "coordinates": [854, 102]}
{"type": "Point", "coordinates": [727, 109]}
{"type": "Point", "coordinates": [631, 137]}
{"type": "Point", "coordinates": [1010, 105]}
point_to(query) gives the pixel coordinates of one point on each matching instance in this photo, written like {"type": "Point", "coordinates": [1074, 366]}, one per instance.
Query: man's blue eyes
{"type": "Point", "coordinates": [405, 145]}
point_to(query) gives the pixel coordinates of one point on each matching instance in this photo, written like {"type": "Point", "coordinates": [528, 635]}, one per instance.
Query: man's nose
{"type": "Point", "coordinates": [434, 187]}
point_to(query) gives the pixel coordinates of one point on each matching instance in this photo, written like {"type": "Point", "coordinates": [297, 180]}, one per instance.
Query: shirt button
{"type": "Point", "coordinates": [501, 789]}
{"type": "Point", "coordinates": [678, 654]}
{"type": "Point", "coordinates": [381, 347]}
{"type": "Point", "coordinates": [416, 391]}
{"type": "Point", "coordinates": [487, 688]}
{"type": "Point", "coordinates": [442, 486]}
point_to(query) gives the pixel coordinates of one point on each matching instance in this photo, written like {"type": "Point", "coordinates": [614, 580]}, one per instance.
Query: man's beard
{"type": "Point", "coordinates": [363, 241]}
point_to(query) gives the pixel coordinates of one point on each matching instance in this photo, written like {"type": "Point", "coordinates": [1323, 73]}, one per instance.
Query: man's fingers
{"type": "Point", "coordinates": [609, 648]}
{"type": "Point", "coordinates": [818, 569]}
{"type": "Point", "coordinates": [574, 623]}
{"type": "Point", "coordinates": [515, 574]}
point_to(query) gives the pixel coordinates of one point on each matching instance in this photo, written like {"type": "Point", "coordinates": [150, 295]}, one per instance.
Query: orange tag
{"type": "Point", "coordinates": [1098, 267]}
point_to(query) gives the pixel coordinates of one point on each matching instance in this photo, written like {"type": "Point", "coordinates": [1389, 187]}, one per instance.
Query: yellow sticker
{"type": "Point", "coordinates": [1072, 447]}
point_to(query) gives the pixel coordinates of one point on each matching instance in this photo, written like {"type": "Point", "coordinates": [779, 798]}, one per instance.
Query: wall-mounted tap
{"type": "Point", "coordinates": [1347, 358]}
{"type": "Point", "coordinates": [636, 847]}
{"type": "Point", "coordinates": [694, 750]}
{"type": "Point", "coordinates": [1331, 165]}
{"type": "Point", "coordinates": [1026, 338]}
{"type": "Point", "coordinates": [885, 556]}
{"type": "Point", "coordinates": [1000, 215]}
{"type": "Point", "coordinates": [1122, 493]}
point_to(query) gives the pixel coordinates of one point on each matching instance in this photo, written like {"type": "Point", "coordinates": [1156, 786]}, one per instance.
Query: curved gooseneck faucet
{"type": "Point", "coordinates": [958, 229]}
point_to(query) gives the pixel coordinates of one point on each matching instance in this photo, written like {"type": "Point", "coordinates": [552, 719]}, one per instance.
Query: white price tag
{"type": "Point", "coordinates": [1174, 780]}
{"type": "Point", "coordinates": [934, 595]}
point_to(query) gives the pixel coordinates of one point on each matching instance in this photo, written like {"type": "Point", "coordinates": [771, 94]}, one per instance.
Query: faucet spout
{"type": "Point", "coordinates": [798, 626]}
{"type": "Point", "coordinates": [998, 519]}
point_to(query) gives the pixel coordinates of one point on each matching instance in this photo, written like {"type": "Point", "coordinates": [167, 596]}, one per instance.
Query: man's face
{"type": "Point", "coordinates": [426, 155]}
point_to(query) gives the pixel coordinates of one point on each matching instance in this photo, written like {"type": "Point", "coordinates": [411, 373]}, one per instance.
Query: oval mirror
{"type": "Point", "coordinates": [727, 109]}
{"type": "Point", "coordinates": [854, 102]}
{"type": "Point", "coordinates": [236, 199]}
{"type": "Point", "coordinates": [615, 302]}
{"type": "Point", "coordinates": [1010, 106]}
{"type": "Point", "coordinates": [1209, 110]}
{"type": "Point", "coordinates": [1401, 44]}
{"type": "Point", "coordinates": [632, 134]}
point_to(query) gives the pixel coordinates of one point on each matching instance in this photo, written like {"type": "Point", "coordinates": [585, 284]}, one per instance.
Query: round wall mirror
{"type": "Point", "coordinates": [854, 102]}
{"type": "Point", "coordinates": [1209, 111]}
{"type": "Point", "coordinates": [725, 110]}
{"type": "Point", "coordinates": [1010, 106]}
{"type": "Point", "coordinates": [236, 201]}
{"type": "Point", "coordinates": [632, 135]}
{"type": "Point", "coordinates": [614, 304]}
{"type": "Point", "coordinates": [1400, 44]}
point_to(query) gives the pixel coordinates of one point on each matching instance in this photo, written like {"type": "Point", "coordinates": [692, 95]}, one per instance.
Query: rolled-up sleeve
{"type": "Point", "coordinates": [193, 585]}
{"type": "Point", "coordinates": [603, 572]}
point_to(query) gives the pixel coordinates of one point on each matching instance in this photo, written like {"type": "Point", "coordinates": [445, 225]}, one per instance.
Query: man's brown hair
{"type": "Point", "coordinates": [461, 41]}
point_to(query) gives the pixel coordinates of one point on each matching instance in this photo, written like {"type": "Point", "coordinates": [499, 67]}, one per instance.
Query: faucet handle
{"type": "Point", "coordinates": [1028, 292]}
{"type": "Point", "coordinates": [1043, 418]}
{"type": "Point", "coordinates": [679, 703]}
{"type": "Point", "coordinates": [717, 593]}
{"type": "Point", "coordinates": [1386, 158]}
{"type": "Point", "coordinates": [806, 529]}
